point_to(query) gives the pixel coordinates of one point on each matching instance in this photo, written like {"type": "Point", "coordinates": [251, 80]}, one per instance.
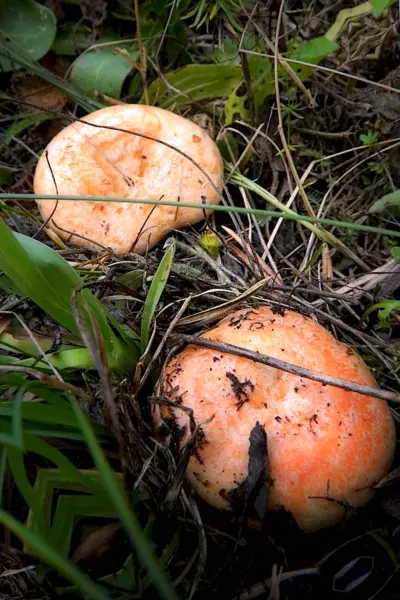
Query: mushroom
{"type": "Point", "coordinates": [325, 447]}
{"type": "Point", "coordinates": [87, 160]}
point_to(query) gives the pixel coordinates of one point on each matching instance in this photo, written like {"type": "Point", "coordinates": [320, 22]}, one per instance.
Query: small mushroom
{"type": "Point", "coordinates": [326, 446]}
{"type": "Point", "coordinates": [87, 160]}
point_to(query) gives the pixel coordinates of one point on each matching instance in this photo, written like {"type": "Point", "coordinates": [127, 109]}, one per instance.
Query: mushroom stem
{"type": "Point", "coordinates": [269, 361]}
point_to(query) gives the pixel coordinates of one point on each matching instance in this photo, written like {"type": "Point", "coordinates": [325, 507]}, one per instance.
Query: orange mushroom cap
{"type": "Point", "coordinates": [93, 161]}
{"type": "Point", "coordinates": [326, 446]}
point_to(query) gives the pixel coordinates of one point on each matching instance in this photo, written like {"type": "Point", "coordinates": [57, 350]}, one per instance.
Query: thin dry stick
{"type": "Point", "coordinates": [388, 88]}
{"type": "Point", "coordinates": [40, 350]}
{"type": "Point", "coordinates": [289, 204]}
{"type": "Point", "coordinates": [281, 60]}
{"type": "Point", "coordinates": [142, 51]}
{"type": "Point", "coordinates": [163, 342]}
{"type": "Point", "coordinates": [275, 363]}
{"type": "Point", "coordinates": [280, 120]}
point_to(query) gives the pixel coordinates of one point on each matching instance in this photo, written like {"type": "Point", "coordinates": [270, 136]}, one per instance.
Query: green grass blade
{"type": "Point", "coordinates": [17, 466]}
{"type": "Point", "coordinates": [120, 501]}
{"type": "Point", "coordinates": [154, 294]}
{"type": "Point", "coordinates": [70, 509]}
{"type": "Point", "coordinates": [3, 470]}
{"type": "Point", "coordinates": [48, 554]}
{"type": "Point", "coordinates": [17, 55]}
{"type": "Point", "coordinates": [17, 431]}
{"type": "Point", "coordinates": [71, 474]}
{"type": "Point", "coordinates": [240, 210]}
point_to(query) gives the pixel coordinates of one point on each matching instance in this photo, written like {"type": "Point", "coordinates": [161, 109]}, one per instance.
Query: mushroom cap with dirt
{"type": "Point", "coordinates": [85, 159]}
{"type": "Point", "coordinates": [311, 448]}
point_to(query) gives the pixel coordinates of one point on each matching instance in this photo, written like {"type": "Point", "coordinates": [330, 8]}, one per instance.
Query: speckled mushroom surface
{"type": "Point", "coordinates": [93, 161]}
{"type": "Point", "coordinates": [322, 441]}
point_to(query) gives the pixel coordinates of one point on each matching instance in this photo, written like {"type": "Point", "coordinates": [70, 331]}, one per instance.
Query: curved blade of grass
{"type": "Point", "coordinates": [120, 501]}
{"type": "Point", "coordinates": [70, 509]}
{"type": "Point", "coordinates": [52, 557]}
{"type": "Point", "coordinates": [50, 481]}
{"type": "Point", "coordinates": [17, 466]}
{"type": "Point", "coordinates": [154, 294]}
{"type": "Point", "coordinates": [69, 471]}
{"type": "Point", "coordinates": [257, 212]}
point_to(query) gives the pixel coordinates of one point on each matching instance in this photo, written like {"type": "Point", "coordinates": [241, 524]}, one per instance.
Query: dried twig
{"type": "Point", "coordinates": [269, 361]}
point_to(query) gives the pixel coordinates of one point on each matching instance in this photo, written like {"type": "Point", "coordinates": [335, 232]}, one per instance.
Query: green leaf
{"type": "Point", "coordinates": [132, 279]}
{"type": "Point", "coordinates": [48, 554]}
{"type": "Point", "coordinates": [102, 71]}
{"type": "Point", "coordinates": [228, 147]}
{"type": "Point", "coordinates": [45, 277]}
{"type": "Point", "coordinates": [154, 294]}
{"type": "Point", "coordinates": [71, 39]}
{"type": "Point", "coordinates": [6, 176]}
{"type": "Point", "coordinates": [390, 202]}
{"type": "Point", "coordinates": [379, 6]}
{"type": "Point", "coordinates": [119, 500]}
{"type": "Point", "coordinates": [396, 253]}
{"type": "Point", "coordinates": [29, 24]}
{"type": "Point", "coordinates": [194, 83]}
{"type": "Point", "coordinates": [311, 51]}
{"type": "Point", "coordinates": [384, 308]}
{"type": "Point", "coordinates": [238, 105]}
{"type": "Point", "coordinates": [22, 124]}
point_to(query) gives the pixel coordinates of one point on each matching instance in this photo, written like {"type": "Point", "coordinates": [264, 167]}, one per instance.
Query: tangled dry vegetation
{"type": "Point", "coordinates": [327, 146]}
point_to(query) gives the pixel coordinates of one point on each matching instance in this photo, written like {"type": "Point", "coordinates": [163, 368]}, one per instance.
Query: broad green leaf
{"type": "Point", "coordinates": [396, 253]}
{"type": "Point", "coordinates": [48, 554]}
{"type": "Point", "coordinates": [193, 84]}
{"type": "Point", "coordinates": [228, 147]}
{"type": "Point", "coordinates": [102, 71]}
{"type": "Point", "coordinates": [119, 500]}
{"type": "Point", "coordinates": [41, 275]}
{"type": "Point", "coordinates": [45, 277]}
{"type": "Point", "coordinates": [132, 279]}
{"type": "Point", "coordinates": [6, 176]}
{"type": "Point", "coordinates": [390, 202]}
{"type": "Point", "coordinates": [22, 124]}
{"type": "Point", "coordinates": [30, 25]}
{"type": "Point", "coordinates": [72, 38]}
{"type": "Point", "coordinates": [310, 51]}
{"type": "Point", "coordinates": [238, 105]}
{"type": "Point", "coordinates": [379, 6]}
{"type": "Point", "coordinates": [154, 294]}
{"type": "Point", "coordinates": [262, 81]}
{"type": "Point", "coordinates": [228, 54]}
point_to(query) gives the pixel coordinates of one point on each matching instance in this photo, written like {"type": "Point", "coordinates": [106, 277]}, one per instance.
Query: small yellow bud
{"type": "Point", "coordinates": [210, 242]}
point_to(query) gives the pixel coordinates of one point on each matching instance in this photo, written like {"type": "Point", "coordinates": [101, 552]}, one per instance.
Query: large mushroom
{"type": "Point", "coordinates": [87, 159]}
{"type": "Point", "coordinates": [326, 446]}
